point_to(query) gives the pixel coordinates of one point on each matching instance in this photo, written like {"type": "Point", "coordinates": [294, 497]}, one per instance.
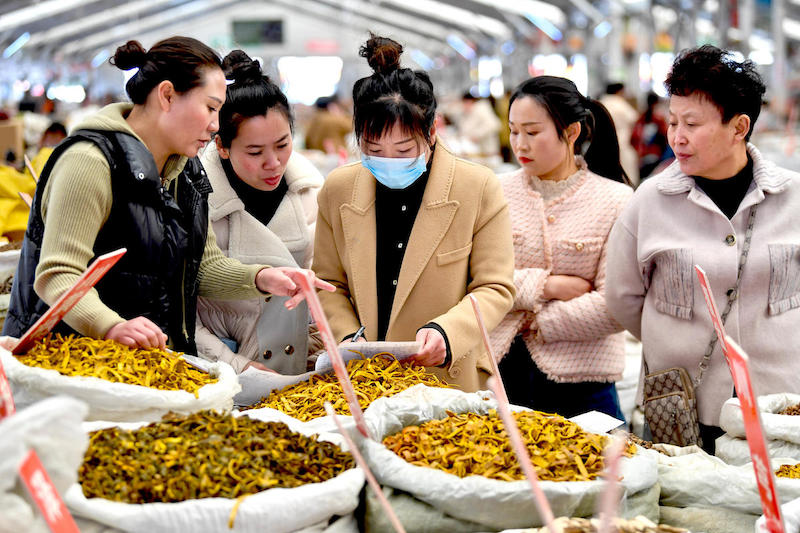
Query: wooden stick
{"type": "Point", "coordinates": [523, 457]}
{"type": "Point", "coordinates": [501, 390]}
{"type": "Point", "coordinates": [29, 165]}
{"type": "Point", "coordinates": [331, 346]}
{"type": "Point", "coordinates": [26, 198]}
{"type": "Point", "coordinates": [367, 472]}
{"type": "Point", "coordinates": [609, 500]}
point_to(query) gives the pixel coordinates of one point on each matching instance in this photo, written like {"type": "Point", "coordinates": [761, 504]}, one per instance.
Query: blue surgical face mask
{"type": "Point", "coordinates": [395, 172]}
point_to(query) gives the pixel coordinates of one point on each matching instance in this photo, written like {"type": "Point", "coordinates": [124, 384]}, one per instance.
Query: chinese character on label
{"type": "Point", "coordinates": [45, 496]}
{"type": "Point", "coordinates": [46, 493]}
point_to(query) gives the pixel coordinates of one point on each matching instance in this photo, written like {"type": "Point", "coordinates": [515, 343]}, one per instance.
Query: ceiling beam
{"type": "Point", "coordinates": [105, 18]}
{"type": "Point", "coordinates": [38, 11]}
{"type": "Point", "coordinates": [123, 32]}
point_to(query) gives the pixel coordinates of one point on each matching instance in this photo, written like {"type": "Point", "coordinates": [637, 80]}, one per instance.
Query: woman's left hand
{"type": "Point", "coordinates": [433, 350]}
{"type": "Point", "coordinates": [285, 281]}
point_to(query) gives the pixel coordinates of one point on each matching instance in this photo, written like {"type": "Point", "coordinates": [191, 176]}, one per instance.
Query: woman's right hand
{"type": "Point", "coordinates": [560, 287]}
{"type": "Point", "coordinates": [139, 332]}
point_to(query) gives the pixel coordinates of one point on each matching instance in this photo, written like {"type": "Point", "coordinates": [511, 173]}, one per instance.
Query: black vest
{"type": "Point", "coordinates": [165, 237]}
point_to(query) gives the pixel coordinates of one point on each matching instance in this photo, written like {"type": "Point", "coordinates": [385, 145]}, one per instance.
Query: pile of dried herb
{"type": "Point", "coordinates": [9, 246]}
{"type": "Point", "coordinates": [204, 455]}
{"type": "Point", "coordinates": [470, 444]}
{"type": "Point", "coordinates": [640, 524]}
{"type": "Point", "coordinates": [106, 359]}
{"type": "Point", "coordinates": [373, 378]}
{"type": "Point", "coordinates": [8, 283]}
{"type": "Point", "coordinates": [790, 471]}
{"type": "Point", "coordinates": [791, 410]}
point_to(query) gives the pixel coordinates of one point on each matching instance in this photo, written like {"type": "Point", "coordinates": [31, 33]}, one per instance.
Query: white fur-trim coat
{"type": "Point", "coordinates": [265, 331]}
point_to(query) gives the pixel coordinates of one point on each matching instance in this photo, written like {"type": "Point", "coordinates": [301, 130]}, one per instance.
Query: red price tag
{"type": "Point", "coordinates": [7, 407]}
{"type": "Point", "coordinates": [738, 362]}
{"type": "Point", "coordinates": [68, 300]}
{"type": "Point", "coordinates": [45, 495]}
{"type": "Point", "coordinates": [712, 307]}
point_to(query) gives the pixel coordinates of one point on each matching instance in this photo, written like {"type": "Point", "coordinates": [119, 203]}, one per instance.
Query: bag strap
{"type": "Point", "coordinates": [733, 294]}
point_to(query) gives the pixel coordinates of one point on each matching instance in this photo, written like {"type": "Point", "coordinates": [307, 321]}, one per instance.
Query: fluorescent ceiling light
{"type": "Point", "coordinates": [14, 47]}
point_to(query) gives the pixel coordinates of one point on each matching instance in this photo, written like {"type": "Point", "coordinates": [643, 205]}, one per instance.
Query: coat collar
{"type": "Point", "coordinates": [768, 177]}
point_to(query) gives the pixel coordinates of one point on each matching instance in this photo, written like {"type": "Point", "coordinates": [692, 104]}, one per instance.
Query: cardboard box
{"type": "Point", "coordinates": [11, 139]}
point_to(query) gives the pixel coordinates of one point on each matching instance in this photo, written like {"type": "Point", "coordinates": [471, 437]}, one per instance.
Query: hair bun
{"type": "Point", "coordinates": [130, 55]}
{"type": "Point", "coordinates": [382, 54]}
{"type": "Point", "coordinates": [240, 67]}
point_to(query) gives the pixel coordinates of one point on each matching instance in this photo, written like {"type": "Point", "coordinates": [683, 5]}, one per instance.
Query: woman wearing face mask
{"type": "Point", "coordinates": [263, 210]}
{"type": "Point", "coordinates": [563, 351]}
{"type": "Point", "coordinates": [127, 178]}
{"type": "Point", "coordinates": [406, 234]}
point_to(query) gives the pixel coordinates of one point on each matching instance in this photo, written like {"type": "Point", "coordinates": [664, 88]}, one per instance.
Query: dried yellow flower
{"type": "Point", "coordinates": [373, 378]}
{"type": "Point", "coordinates": [106, 359]}
{"type": "Point", "coordinates": [470, 444]}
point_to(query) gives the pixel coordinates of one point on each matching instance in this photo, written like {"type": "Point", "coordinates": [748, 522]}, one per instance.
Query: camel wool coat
{"type": "Point", "coordinates": [460, 244]}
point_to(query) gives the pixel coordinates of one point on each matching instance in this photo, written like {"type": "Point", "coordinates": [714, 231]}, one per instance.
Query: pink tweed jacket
{"type": "Point", "coordinates": [575, 340]}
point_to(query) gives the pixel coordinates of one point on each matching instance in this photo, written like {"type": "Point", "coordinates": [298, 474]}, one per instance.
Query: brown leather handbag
{"type": "Point", "coordinates": [670, 407]}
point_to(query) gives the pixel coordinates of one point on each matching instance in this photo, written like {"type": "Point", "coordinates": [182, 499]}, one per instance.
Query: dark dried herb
{"type": "Point", "coordinates": [204, 455]}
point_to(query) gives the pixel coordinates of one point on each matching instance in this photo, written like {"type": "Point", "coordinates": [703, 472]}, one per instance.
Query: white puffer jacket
{"type": "Point", "coordinates": [265, 331]}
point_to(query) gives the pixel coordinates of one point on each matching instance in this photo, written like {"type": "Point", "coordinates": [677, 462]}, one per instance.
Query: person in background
{"type": "Point", "coordinates": [649, 137]}
{"type": "Point", "coordinates": [501, 110]}
{"type": "Point", "coordinates": [54, 134]}
{"type": "Point", "coordinates": [561, 350]}
{"type": "Point", "coordinates": [480, 126]}
{"type": "Point", "coordinates": [263, 210]}
{"type": "Point", "coordinates": [329, 126]}
{"type": "Point", "coordinates": [724, 207]}
{"type": "Point", "coordinates": [128, 178]}
{"type": "Point", "coordinates": [625, 116]}
{"type": "Point", "coordinates": [409, 231]}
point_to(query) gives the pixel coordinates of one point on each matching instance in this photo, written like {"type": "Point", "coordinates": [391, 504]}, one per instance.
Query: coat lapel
{"type": "Point", "coordinates": [433, 220]}
{"type": "Point", "coordinates": [360, 234]}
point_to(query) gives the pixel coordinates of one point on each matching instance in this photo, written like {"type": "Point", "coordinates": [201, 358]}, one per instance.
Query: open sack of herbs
{"type": "Point", "coordinates": [213, 471]}
{"type": "Point", "coordinates": [449, 449]}
{"type": "Point", "coordinates": [303, 399]}
{"type": "Point", "coordinates": [119, 383]}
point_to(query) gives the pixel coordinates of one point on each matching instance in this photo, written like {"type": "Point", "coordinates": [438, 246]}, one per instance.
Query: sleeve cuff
{"type": "Point", "coordinates": [448, 358]}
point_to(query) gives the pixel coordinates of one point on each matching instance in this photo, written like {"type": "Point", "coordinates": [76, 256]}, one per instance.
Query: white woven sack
{"type": "Point", "coordinates": [776, 427]}
{"type": "Point", "coordinates": [52, 428]}
{"type": "Point", "coordinates": [494, 503]}
{"type": "Point", "coordinates": [119, 402]}
{"type": "Point", "coordinates": [275, 510]}
{"type": "Point", "coordinates": [735, 451]}
{"type": "Point", "coordinates": [791, 518]}
{"type": "Point", "coordinates": [700, 480]}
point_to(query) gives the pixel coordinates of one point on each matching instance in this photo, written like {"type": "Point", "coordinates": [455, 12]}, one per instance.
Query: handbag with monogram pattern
{"type": "Point", "coordinates": [670, 407]}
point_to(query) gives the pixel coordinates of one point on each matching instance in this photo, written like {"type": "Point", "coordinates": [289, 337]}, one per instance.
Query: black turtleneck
{"type": "Point", "coordinates": [730, 192]}
{"type": "Point", "coordinates": [395, 212]}
{"type": "Point", "coordinates": [261, 204]}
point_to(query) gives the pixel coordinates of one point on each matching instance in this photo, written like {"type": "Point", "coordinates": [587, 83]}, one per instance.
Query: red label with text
{"type": "Point", "coordinates": [738, 362]}
{"type": "Point", "coordinates": [68, 300]}
{"type": "Point", "coordinates": [45, 495]}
